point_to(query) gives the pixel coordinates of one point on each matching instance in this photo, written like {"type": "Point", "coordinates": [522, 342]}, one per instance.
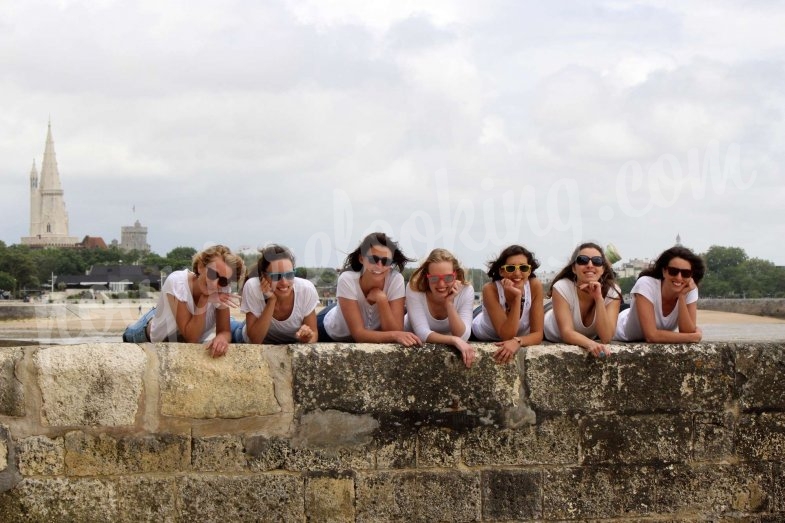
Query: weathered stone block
{"type": "Point", "coordinates": [636, 439]}
{"type": "Point", "coordinates": [711, 489]}
{"type": "Point", "coordinates": [598, 492]}
{"type": "Point", "coordinates": [97, 384]}
{"type": "Point", "coordinates": [396, 448]}
{"type": "Point", "coordinates": [87, 455]}
{"type": "Point", "coordinates": [553, 441]}
{"type": "Point", "coordinates": [142, 498]}
{"type": "Point", "coordinates": [12, 396]}
{"type": "Point", "coordinates": [760, 372]}
{"type": "Point", "coordinates": [761, 437]}
{"type": "Point", "coordinates": [3, 447]}
{"type": "Point", "coordinates": [438, 447]}
{"type": "Point", "coordinates": [250, 380]}
{"type": "Point", "coordinates": [218, 453]}
{"type": "Point", "coordinates": [511, 495]}
{"type": "Point", "coordinates": [635, 378]}
{"type": "Point", "coordinates": [713, 439]}
{"type": "Point", "coordinates": [277, 453]}
{"type": "Point", "coordinates": [429, 384]}
{"type": "Point", "coordinates": [263, 453]}
{"type": "Point", "coordinates": [418, 496]}
{"type": "Point", "coordinates": [41, 456]}
{"type": "Point", "coordinates": [334, 429]}
{"type": "Point", "coordinates": [59, 499]}
{"type": "Point", "coordinates": [222, 498]}
{"type": "Point", "coordinates": [329, 499]}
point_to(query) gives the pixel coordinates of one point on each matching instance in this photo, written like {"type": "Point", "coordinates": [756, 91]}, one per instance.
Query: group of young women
{"type": "Point", "coordinates": [375, 305]}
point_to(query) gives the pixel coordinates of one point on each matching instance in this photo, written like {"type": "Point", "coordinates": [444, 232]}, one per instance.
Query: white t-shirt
{"type": "Point", "coordinates": [628, 328]}
{"type": "Point", "coordinates": [281, 331]}
{"type": "Point", "coordinates": [349, 288]}
{"type": "Point", "coordinates": [419, 320]}
{"type": "Point", "coordinates": [569, 291]}
{"type": "Point", "coordinates": [163, 326]}
{"type": "Point", "coordinates": [482, 327]}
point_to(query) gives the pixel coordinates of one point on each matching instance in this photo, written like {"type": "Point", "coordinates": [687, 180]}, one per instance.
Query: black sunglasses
{"type": "Point", "coordinates": [674, 271]}
{"type": "Point", "coordinates": [213, 275]}
{"type": "Point", "coordinates": [582, 259]}
{"type": "Point", "coordinates": [384, 260]}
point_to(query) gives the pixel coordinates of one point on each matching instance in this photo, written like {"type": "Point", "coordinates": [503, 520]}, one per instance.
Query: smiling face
{"type": "Point", "coordinates": [213, 274]}
{"type": "Point", "coordinates": [377, 261]}
{"type": "Point", "coordinates": [589, 272]}
{"type": "Point", "coordinates": [516, 276]}
{"type": "Point", "coordinates": [282, 287]}
{"type": "Point", "coordinates": [676, 282]}
{"type": "Point", "coordinates": [437, 275]}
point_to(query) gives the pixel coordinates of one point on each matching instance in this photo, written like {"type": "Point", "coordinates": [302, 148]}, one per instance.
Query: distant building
{"type": "Point", "coordinates": [134, 238]}
{"type": "Point", "coordinates": [632, 268]}
{"type": "Point", "coordinates": [48, 217]}
{"type": "Point", "coordinates": [92, 242]}
{"type": "Point", "coordinates": [115, 278]}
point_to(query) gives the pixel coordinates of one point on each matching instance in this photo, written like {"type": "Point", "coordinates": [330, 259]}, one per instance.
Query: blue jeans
{"type": "Point", "coordinates": [236, 328]}
{"type": "Point", "coordinates": [137, 331]}
{"type": "Point", "coordinates": [323, 336]}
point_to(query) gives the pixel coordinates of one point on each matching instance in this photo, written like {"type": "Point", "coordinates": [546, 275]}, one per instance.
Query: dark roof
{"type": "Point", "coordinates": [104, 274]}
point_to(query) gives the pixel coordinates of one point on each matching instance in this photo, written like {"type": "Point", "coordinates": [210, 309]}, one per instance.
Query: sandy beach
{"type": "Point", "coordinates": [107, 322]}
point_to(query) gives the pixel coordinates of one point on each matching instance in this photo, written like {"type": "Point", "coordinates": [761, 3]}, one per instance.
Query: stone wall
{"type": "Point", "coordinates": [774, 307]}
{"type": "Point", "coordinates": [130, 433]}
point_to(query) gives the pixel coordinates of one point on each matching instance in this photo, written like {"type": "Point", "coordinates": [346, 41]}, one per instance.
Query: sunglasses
{"type": "Point", "coordinates": [523, 267]}
{"type": "Point", "coordinates": [674, 271]}
{"type": "Point", "coordinates": [278, 276]}
{"type": "Point", "coordinates": [582, 259]}
{"type": "Point", "coordinates": [433, 279]}
{"type": "Point", "coordinates": [213, 275]}
{"type": "Point", "coordinates": [384, 260]}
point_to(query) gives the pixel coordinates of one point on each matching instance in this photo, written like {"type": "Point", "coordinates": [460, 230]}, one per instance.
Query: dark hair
{"type": "Point", "coordinates": [419, 281]}
{"type": "Point", "coordinates": [271, 253]}
{"type": "Point", "coordinates": [607, 280]}
{"type": "Point", "coordinates": [375, 239]}
{"type": "Point", "coordinates": [677, 251]}
{"type": "Point", "coordinates": [512, 250]}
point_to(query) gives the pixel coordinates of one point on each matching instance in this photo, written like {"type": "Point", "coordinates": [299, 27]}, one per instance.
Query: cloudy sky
{"type": "Point", "coordinates": [459, 124]}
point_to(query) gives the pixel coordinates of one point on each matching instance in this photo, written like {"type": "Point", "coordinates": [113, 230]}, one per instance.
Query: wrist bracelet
{"type": "Point", "coordinates": [516, 338]}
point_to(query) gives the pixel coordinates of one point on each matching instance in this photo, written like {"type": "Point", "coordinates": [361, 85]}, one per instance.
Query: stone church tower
{"type": "Point", "coordinates": [48, 217]}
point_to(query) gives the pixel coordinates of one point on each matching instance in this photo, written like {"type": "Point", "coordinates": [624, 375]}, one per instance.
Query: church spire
{"type": "Point", "coordinates": [50, 177]}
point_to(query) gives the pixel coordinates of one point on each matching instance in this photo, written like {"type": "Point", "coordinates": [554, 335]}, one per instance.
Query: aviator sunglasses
{"type": "Point", "coordinates": [674, 271]}
{"type": "Point", "coordinates": [582, 259]}
{"type": "Point", "coordinates": [384, 260]}
{"type": "Point", "coordinates": [213, 275]}
{"type": "Point", "coordinates": [523, 267]}
{"type": "Point", "coordinates": [433, 279]}
{"type": "Point", "coordinates": [278, 276]}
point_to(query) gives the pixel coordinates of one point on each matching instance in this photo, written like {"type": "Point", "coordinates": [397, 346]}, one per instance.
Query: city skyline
{"type": "Point", "coordinates": [445, 124]}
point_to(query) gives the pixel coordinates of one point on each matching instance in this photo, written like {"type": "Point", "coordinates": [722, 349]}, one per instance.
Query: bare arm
{"type": "Point", "coordinates": [645, 311]}
{"type": "Point", "coordinates": [504, 323]}
{"type": "Point", "coordinates": [351, 312]}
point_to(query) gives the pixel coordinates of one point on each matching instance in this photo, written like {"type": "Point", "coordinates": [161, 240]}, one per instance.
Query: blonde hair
{"type": "Point", "coordinates": [224, 253]}
{"type": "Point", "coordinates": [419, 281]}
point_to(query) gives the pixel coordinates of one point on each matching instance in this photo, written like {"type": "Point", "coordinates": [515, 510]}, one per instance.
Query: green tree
{"type": "Point", "coordinates": [180, 258]}
{"type": "Point", "coordinates": [720, 259]}
{"type": "Point", "coordinates": [7, 282]}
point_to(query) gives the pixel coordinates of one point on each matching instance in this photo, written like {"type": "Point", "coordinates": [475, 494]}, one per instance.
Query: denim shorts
{"type": "Point", "coordinates": [137, 331]}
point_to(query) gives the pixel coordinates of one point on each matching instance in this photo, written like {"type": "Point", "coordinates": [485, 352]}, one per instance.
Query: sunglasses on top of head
{"type": "Point", "coordinates": [213, 275]}
{"type": "Point", "coordinates": [278, 276]}
{"type": "Point", "coordinates": [674, 271]}
{"type": "Point", "coordinates": [582, 259]}
{"type": "Point", "coordinates": [433, 279]}
{"type": "Point", "coordinates": [384, 260]}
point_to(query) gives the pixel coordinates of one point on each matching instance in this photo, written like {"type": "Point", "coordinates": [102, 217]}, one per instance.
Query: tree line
{"type": "Point", "coordinates": [730, 273]}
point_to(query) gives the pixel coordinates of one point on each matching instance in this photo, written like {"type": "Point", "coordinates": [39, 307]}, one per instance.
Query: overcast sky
{"type": "Point", "coordinates": [460, 124]}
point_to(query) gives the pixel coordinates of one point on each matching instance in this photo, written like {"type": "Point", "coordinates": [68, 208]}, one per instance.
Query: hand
{"type": "Point", "coordinates": [593, 289]}
{"type": "Point", "coordinates": [407, 339]}
{"type": "Point", "coordinates": [598, 350]}
{"type": "Point", "coordinates": [697, 335]}
{"type": "Point", "coordinates": [455, 290]}
{"type": "Point", "coordinates": [689, 284]}
{"type": "Point", "coordinates": [507, 351]}
{"type": "Point", "coordinates": [223, 300]}
{"type": "Point", "coordinates": [304, 334]}
{"type": "Point", "coordinates": [376, 295]}
{"type": "Point", "coordinates": [217, 346]}
{"type": "Point", "coordinates": [467, 352]}
{"type": "Point", "coordinates": [510, 290]}
{"type": "Point", "coordinates": [267, 289]}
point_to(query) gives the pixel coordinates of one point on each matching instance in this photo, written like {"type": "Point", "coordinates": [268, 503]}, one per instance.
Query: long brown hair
{"type": "Point", "coordinates": [607, 280]}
